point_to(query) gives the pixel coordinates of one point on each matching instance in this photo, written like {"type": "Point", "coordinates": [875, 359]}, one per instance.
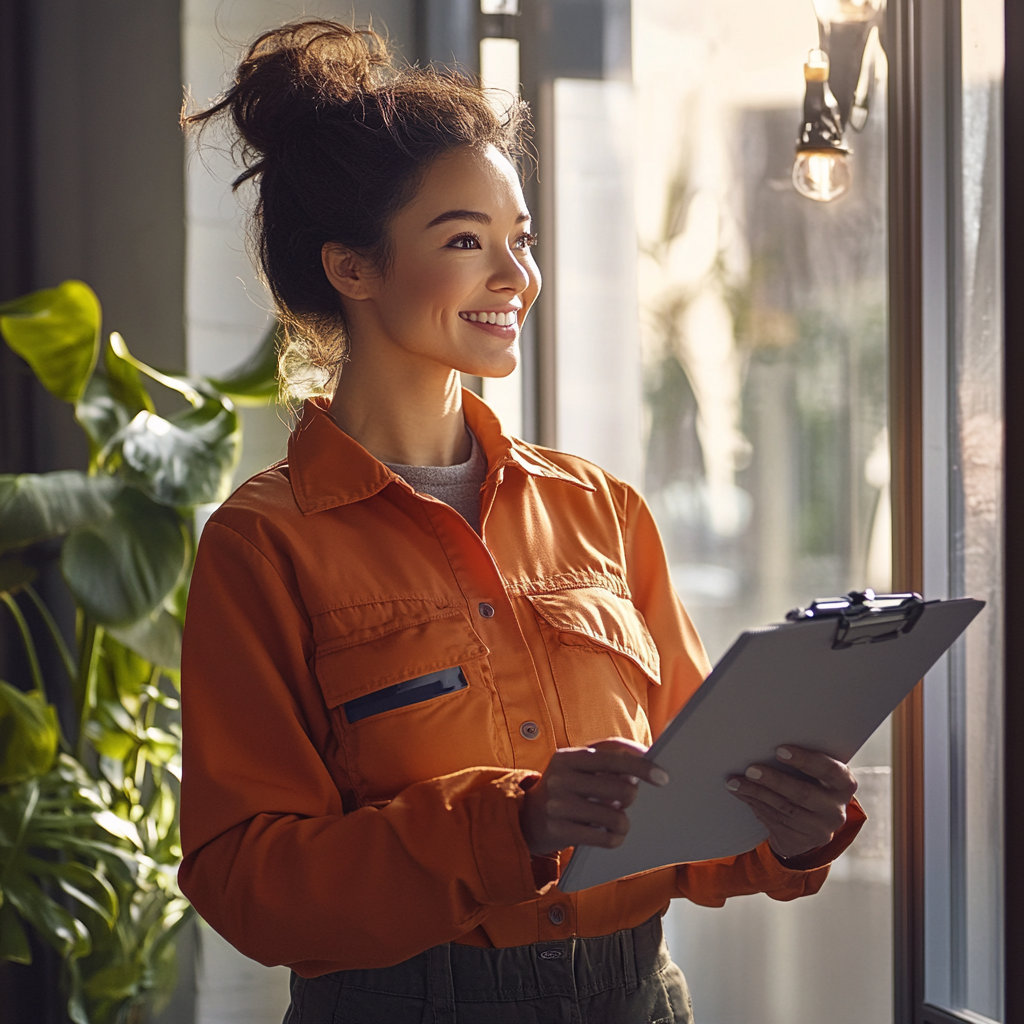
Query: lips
{"type": "Point", "coordinates": [503, 319]}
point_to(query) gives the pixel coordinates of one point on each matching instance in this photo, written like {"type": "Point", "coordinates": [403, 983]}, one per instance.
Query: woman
{"type": "Point", "coordinates": [422, 658]}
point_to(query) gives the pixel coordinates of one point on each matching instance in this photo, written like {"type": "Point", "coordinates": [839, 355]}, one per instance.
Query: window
{"type": "Point", "coordinates": [961, 772]}
{"type": "Point", "coordinates": [721, 341]}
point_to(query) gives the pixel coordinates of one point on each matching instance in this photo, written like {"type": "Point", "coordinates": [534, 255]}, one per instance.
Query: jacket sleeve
{"type": "Point", "coordinates": [272, 861]}
{"type": "Point", "coordinates": [684, 666]}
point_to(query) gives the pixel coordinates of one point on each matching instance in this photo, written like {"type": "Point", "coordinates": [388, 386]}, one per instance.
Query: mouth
{"type": "Point", "coordinates": [505, 319]}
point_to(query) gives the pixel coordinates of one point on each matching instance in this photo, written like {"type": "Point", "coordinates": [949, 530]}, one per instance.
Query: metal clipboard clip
{"type": "Point", "coordinates": [864, 616]}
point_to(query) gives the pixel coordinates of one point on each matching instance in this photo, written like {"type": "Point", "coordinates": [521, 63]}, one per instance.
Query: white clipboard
{"type": "Point", "coordinates": [824, 680]}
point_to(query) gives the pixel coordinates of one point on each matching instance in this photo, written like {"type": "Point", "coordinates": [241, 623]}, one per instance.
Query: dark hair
{"type": "Point", "coordinates": [339, 136]}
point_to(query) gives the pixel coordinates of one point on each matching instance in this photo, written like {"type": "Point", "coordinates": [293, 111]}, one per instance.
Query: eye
{"type": "Point", "coordinates": [467, 241]}
{"type": "Point", "coordinates": [527, 240]}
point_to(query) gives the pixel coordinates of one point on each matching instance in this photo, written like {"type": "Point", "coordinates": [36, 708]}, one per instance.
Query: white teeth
{"type": "Point", "coordinates": [501, 319]}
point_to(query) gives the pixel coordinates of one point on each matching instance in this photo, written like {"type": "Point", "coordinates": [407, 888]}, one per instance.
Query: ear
{"type": "Point", "coordinates": [348, 272]}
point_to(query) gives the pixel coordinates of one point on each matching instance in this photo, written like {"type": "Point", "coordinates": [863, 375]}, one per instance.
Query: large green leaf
{"type": "Point", "coordinates": [57, 332]}
{"type": "Point", "coordinates": [254, 382]}
{"type": "Point", "coordinates": [112, 398]}
{"type": "Point", "coordinates": [185, 460]}
{"type": "Point", "coordinates": [157, 638]}
{"type": "Point", "coordinates": [37, 506]}
{"type": "Point", "coordinates": [28, 734]}
{"type": "Point", "coordinates": [119, 570]}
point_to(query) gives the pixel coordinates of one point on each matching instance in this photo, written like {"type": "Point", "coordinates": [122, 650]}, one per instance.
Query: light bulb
{"type": "Point", "coordinates": [822, 174]}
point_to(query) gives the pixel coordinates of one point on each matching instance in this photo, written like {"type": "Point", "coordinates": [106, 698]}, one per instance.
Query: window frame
{"type": "Point", "coordinates": [1013, 376]}
{"type": "Point", "coordinates": [923, 66]}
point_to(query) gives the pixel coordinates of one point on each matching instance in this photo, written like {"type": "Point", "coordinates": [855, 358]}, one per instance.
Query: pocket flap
{"type": "Point", "coordinates": [348, 670]}
{"type": "Point", "coordinates": [592, 615]}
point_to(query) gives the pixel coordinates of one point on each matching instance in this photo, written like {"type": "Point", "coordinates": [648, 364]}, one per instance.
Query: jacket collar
{"type": "Point", "coordinates": [328, 468]}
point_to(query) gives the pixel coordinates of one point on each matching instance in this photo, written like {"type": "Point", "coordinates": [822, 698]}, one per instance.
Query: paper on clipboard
{"type": "Point", "coordinates": [787, 683]}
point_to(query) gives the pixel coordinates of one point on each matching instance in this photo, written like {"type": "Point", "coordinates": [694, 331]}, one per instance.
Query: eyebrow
{"type": "Point", "coordinates": [474, 215]}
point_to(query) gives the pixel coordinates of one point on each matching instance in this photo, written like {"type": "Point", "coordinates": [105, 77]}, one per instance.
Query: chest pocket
{"type": "Point", "coordinates": [603, 660]}
{"type": "Point", "coordinates": [409, 703]}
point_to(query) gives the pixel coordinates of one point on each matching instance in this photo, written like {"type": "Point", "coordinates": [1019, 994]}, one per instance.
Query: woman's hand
{"type": "Point", "coordinates": [801, 814]}
{"type": "Point", "coordinates": [581, 798]}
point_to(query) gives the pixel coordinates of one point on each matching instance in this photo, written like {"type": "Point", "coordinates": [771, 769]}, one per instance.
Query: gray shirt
{"type": "Point", "coordinates": [458, 486]}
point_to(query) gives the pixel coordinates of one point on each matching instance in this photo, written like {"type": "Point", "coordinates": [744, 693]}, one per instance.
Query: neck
{"type": "Point", "coordinates": [402, 408]}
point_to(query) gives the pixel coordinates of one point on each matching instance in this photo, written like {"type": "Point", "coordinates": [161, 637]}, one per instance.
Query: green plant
{"type": "Point", "coordinates": [88, 820]}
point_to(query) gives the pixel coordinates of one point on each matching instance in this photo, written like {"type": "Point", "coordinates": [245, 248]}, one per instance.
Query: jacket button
{"type": "Point", "coordinates": [529, 730]}
{"type": "Point", "coordinates": [556, 915]}
{"type": "Point", "coordinates": [486, 610]}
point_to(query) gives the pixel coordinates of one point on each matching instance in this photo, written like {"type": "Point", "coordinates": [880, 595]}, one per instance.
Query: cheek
{"type": "Point", "coordinates": [431, 292]}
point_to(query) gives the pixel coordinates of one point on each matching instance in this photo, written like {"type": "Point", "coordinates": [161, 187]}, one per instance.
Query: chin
{"type": "Point", "coordinates": [493, 373]}
{"type": "Point", "coordinates": [491, 364]}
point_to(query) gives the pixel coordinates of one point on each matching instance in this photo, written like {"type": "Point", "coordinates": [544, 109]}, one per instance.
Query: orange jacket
{"type": "Point", "coordinates": [328, 844]}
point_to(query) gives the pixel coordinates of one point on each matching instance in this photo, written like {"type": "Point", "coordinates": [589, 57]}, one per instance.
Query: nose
{"type": "Point", "coordinates": [509, 273]}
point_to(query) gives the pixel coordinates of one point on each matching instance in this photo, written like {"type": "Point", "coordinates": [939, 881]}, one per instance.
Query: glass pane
{"type": "Point", "coordinates": [963, 781]}
{"type": "Point", "coordinates": [978, 512]}
{"type": "Point", "coordinates": [742, 382]}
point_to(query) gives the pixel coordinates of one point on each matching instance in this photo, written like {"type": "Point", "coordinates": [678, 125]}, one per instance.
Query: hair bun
{"type": "Point", "coordinates": [291, 74]}
{"type": "Point", "coordinates": [338, 138]}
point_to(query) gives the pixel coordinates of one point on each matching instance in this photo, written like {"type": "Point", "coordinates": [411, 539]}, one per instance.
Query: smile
{"type": "Point", "coordinates": [500, 319]}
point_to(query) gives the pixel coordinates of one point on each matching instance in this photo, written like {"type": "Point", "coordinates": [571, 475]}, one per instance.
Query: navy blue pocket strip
{"type": "Point", "coordinates": [401, 695]}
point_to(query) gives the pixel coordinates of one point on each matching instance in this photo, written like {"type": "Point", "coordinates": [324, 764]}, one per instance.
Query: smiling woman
{"type": "Point", "coordinates": [457, 285]}
{"type": "Point", "coordinates": [339, 138]}
{"type": "Point", "coordinates": [423, 659]}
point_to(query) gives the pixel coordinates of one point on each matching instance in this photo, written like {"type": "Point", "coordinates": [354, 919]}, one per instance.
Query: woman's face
{"type": "Point", "coordinates": [462, 276]}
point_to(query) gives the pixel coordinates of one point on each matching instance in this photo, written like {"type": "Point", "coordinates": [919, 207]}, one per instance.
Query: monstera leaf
{"type": "Point", "coordinates": [121, 568]}
{"type": "Point", "coordinates": [157, 638]}
{"type": "Point", "coordinates": [112, 398]}
{"type": "Point", "coordinates": [185, 459]}
{"type": "Point", "coordinates": [57, 332]}
{"type": "Point", "coordinates": [38, 506]}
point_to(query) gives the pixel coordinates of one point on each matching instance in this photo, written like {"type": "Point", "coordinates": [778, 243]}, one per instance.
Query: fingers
{"type": "Point", "coordinates": [801, 814]}
{"type": "Point", "coordinates": [554, 819]}
{"type": "Point", "coordinates": [580, 811]}
{"type": "Point", "coordinates": [831, 782]}
{"type": "Point", "coordinates": [620, 743]}
{"type": "Point", "coordinates": [614, 790]}
{"type": "Point", "coordinates": [783, 792]}
{"type": "Point", "coordinates": [611, 757]}
{"type": "Point", "coordinates": [832, 774]}
{"type": "Point", "coordinates": [581, 798]}
{"type": "Point", "coordinates": [785, 839]}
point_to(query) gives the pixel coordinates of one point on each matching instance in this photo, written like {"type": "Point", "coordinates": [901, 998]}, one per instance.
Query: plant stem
{"type": "Point", "coordinates": [51, 625]}
{"type": "Point", "coordinates": [26, 637]}
{"type": "Point", "coordinates": [85, 689]}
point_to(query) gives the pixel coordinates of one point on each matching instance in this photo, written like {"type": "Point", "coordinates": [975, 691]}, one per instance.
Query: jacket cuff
{"type": "Point", "coordinates": [506, 867]}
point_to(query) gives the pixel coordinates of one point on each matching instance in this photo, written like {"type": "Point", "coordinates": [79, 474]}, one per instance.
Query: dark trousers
{"type": "Point", "coordinates": [624, 978]}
